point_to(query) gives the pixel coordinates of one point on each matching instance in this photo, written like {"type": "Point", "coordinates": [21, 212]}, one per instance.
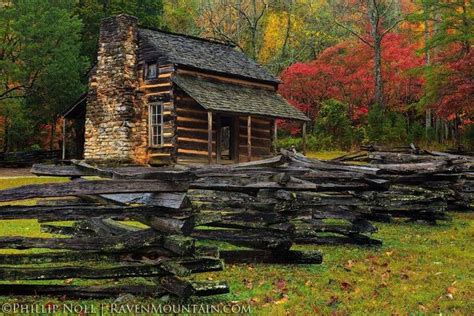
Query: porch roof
{"type": "Point", "coordinates": [232, 98]}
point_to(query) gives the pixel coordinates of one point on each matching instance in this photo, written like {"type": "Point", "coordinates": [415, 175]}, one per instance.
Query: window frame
{"type": "Point", "coordinates": [147, 68]}
{"type": "Point", "coordinates": [159, 125]}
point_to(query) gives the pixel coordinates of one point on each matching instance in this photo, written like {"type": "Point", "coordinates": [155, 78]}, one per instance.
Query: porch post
{"type": "Point", "coordinates": [304, 137]}
{"type": "Point", "coordinates": [249, 138]}
{"type": "Point", "coordinates": [275, 136]}
{"type": "Point", "coordinates": [218, 139]}
{"type": "Point", "coordinates": [236, 138]}
{"type": "Point", "coordinates": [63, 154]}
{"type": "Point", "coordinates": [209, 137]}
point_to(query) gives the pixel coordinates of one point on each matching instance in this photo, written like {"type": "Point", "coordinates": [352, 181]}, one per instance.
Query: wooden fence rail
{"type": "Point", "coordinates": [265, 206]}
{"type": "Point", "coordinates": [28, 158]}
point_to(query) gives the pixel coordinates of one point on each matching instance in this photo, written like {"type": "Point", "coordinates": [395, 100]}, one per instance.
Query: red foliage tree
{"type": "Point", "coordinates": [453, 85]}
{"type": "Point", "coordinates": [344, 72]}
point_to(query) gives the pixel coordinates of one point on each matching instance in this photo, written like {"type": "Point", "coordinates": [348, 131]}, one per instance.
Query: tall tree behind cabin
{"type": "Point", "coordinates": [370, 21]}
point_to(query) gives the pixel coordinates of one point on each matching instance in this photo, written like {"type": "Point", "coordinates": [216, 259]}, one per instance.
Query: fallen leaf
{"type": "Point", "coordinates": [349, 264]}
{"type": "Point", "coordinates": [49, 306]}
{"type": "Point", "coordinates": [422, 308]}
{"type": "Point", "coordinates": [389, 253]}
{"type": "Point", "coordinates": [268, 299]}
{"type": "Point", "coordinates": [254, 300]}
{"type": "Point", "coordinates": [308, 283]}
{"type": "Point", "coordinates": [68, 281]}
{"type": "Point", "coordinates": [280, 284]}
{"type": "Point", "coordinates": [451, 290]}
{"type": "Point", "coordinates": [334, 300]}
{"type": "Point", "coordinates": [248, 283]}
{"type": "Point", "coordinates": [282, 300]}
{"type": "Point", "coordinates": [346, 286]}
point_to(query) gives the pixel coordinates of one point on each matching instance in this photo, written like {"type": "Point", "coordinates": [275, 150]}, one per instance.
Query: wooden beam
{"type": "Point", "coordinates": [235, 139]}
{"type": "Point", "coordinates": [63, 154]}
{"type": "Point", "coordinates": [90, 187]}
{"type": "Point", "coordinates": [269, 86]}
{"type": "Point", "coordinates": [275, 136]}
{"type": "Point", "coordinates": [218, 139]}
{"type": "Point", "coordinates": [209, 137]}
{"type": "Point", "coordinates": [249, 138]}
{"type": "Point", "coordinates": [304, 138]}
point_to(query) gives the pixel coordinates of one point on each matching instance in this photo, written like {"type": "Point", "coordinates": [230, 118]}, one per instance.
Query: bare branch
{"type": "Point", "coordinates": [391, 27]}
{"type": "Point", "coordinates": [354, 33]}
{"type": "Point", "coordinates": [387, 8]}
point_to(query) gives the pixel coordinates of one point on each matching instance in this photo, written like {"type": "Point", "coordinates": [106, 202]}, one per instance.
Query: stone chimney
{"type": "Point", "coordinates": [113, 109]}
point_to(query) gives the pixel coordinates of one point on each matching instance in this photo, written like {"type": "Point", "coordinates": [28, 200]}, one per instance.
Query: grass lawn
{"type": "Point", "coordinates": [419, 269]}
{"type": "Point", "coordinates": [326, 155]}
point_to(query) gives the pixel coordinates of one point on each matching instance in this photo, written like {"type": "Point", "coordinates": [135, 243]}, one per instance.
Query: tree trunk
{"type": "Point", "coordinates": [5, 136]}
{"type": "Point", "coordinates": [379, 99]}
{"type": "Point", "coordinates": [374, 19]}
{"type": "Point", "coordinates": [428, 116]}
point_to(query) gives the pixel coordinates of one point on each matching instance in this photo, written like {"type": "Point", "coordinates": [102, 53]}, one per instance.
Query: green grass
{"type": "Point", "coordinates": [420, 269]}
{"type": "Point", "coordinates": [326, 155]}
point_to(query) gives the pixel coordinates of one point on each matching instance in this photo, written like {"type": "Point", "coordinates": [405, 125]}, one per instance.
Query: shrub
{"type": "Point", "coordinates": [289, 142]}
{"type": "Point", "coordinates": [333, 127]}
{"type": "Point", "coordinates": [333, 130]}
{"type": "Point", "coordinates": [386, 127]}
{"type": "Point", "coordinates": [467, 137]}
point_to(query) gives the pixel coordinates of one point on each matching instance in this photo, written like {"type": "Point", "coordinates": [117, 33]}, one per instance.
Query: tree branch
{"type": "Point", "coordinates": [354, 33]}
{"type": "Point", "coordinates": [391, 27]}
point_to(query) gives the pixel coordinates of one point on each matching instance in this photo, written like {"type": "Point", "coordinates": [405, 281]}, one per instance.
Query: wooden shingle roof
{"type": "Point", "coordinates": [230, 98]}
{"type": "Point", "coordinates": [204, 54]}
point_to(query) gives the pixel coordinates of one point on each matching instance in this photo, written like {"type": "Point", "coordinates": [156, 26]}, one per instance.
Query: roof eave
{"type": "Point", "coordinates": [71, 108]}
{"type": "Point", "coordinates": [275, 82]}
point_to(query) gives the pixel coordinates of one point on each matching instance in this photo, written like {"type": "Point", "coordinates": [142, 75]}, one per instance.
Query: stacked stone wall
{"type": "Point", "coordinates": [114, 126]}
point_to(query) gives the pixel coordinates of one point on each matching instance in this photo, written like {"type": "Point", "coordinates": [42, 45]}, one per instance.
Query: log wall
{"type": "Point", "coordinates": [159, 90]}
{"type": "Point", "coordinates": [192, 129]}
{"type": "Point", "coordinates": [261, 134]}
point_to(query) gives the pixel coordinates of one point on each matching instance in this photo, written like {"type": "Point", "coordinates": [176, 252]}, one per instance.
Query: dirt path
{"type": "Point", "coordinates": [15, 172]}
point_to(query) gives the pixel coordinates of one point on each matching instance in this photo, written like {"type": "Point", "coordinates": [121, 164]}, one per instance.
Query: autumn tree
{"type": "Point", "coordinates": [296, 30]}
{"type": "Point", "coordinates": [341, 72]}
{"type": "Point", "coordinates": [181, 16]}
{"type": "Point", "coordinates": [370, 21]}
{"type": "Point", "coordinates": [448, 35]}
{"type": "Point", "coordinates": [239, 22]}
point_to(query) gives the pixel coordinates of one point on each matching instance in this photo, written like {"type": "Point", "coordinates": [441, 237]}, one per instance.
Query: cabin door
{"type": "Point", "coordinates": [227, 138]}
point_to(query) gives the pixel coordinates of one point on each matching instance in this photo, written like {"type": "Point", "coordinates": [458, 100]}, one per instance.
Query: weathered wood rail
{"type": "Point", "coordinates": [28, 158]}
{"type": "Point", "coordinates": [100, 246]}
{"type": "Point", "coordinates": [265, 206]}
{"type": "Point", "coordinates": [449, 177]}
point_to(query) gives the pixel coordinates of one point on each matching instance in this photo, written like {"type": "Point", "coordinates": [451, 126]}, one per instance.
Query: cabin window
{"type": "Point", "coordinates": [156, 124]}
{"type": "Point", "coordinates": [151, 71]}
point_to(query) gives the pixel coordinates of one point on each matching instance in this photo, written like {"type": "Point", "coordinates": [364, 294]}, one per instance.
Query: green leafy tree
{"type": "Point", "coordinates": [386, 127]}
{"type": "Point", "coordinates": [333, 127]}
{"type": "Point", "coordinates": [91, 12]}
{"type": "Point", "coordinates": [41, 62]}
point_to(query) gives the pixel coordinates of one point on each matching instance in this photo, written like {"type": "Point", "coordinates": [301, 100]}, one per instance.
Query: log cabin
{"type": "Point", "coordinates": [156, 97]}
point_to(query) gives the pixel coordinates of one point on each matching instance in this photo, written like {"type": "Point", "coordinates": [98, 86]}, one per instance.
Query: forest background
{"type": "Point", "coordinates": [365, 71]}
